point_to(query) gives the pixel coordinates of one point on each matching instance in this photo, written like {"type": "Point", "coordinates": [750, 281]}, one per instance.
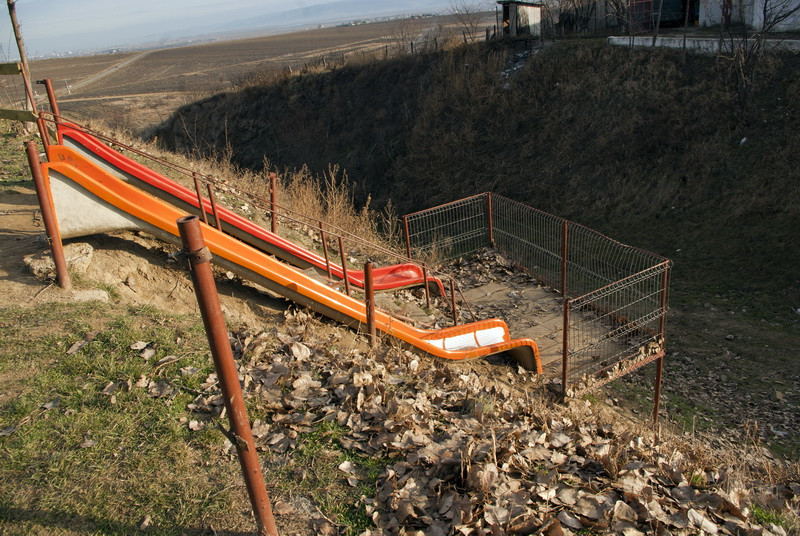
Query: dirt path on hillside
{"type": "Point", "coordinates": [105, 72]}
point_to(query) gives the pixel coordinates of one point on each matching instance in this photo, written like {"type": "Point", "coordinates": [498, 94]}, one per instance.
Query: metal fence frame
{"type": "Point", "coordinates": [615, 295]}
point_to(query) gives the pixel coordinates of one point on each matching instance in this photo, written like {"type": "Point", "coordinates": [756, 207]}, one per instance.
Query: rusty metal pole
{"type": "Point", "coordinates": [344, 267]}
{"type": "Point", "coordinates": [217, 333]}
{"type": "Point", "coordinates": [660, 362]}
{"type": "Point", "coordinates": [49, 217]}
{"type": "Point", "coordinates": [453, 301]}
{"type": "Point", "coordinates": [273, 201]}
{"type": "Point", "coordinates": [408, 237]}
{"type": "Point", "coordinates": [42, 124]}
{"type": "Point", "coordinates": [213, 200]}
{"type": "Point", "coordinates": [51, 98]}
{"type": "Point", "coordinates": [325, 250]}
{"type": "Point", "coordinates": [427, 288]}
{"type": "Point", "coordinates": [490, 216]}
{"type": "Point", "coordinates": [199, 198]}
{"type": "Point", "coordinates": [564, 250]}
{"type": "Point", "coordinates": [369, 298]}
{"type": "Point", "coordinates": [565, 351]}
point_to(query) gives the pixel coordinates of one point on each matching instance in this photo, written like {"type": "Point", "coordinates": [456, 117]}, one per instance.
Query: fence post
{"type": "Point", "coordinates": [369, 298]}
{"type": "Point", "coordinates": [565, 350]}
{"type": "Point", "coordinates": [325, 249]}
{"type": "Point", "coordinates": [344, 267]}
{"type": "Point", "coordinates": [453, 301]}
{"type": "Point", "coordinates": [199, 198]}
{"type": "Point", "coordinates": [662, 332]}
{"type": "Point", "coordinates": [214, 206]}
{"type": "Point", "coordinates": [240, 433]}
{"type": "Point", "coordinates": [491, 218]}
{"type": "Point", "coordinates": [427, 288]}
{"type": "Point", "coordinates": [564, 250]}
{"type": "Point", "coordinates": [408, 237]}
{"type": "Point", "coordinates": [49, 217]}
{"type": "Point", "coordinates": [51, 97]}
{"type": "Point", "coordinates": [273, 205]}
{"type": "Point", "coordinates": [42, 124]}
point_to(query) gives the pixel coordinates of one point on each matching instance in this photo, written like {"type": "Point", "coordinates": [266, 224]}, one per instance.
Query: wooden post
{"type": "Point", "coordinates": [23, 56]}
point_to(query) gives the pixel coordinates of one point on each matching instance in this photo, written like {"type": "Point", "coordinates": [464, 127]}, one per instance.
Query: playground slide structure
{"type": "Point", "coordinates": [88, 199]}
{"type": "Point", "coordinates": [385, 277]}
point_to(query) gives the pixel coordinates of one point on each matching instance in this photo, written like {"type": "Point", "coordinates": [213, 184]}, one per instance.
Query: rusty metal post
{"type": "Point", "coordinates": [369, 298]}
{"type": "Point", "coordinates": [213, 200]}
{"type": "Point", "coordinates": [453, 301]}
{"type": "Point", "coordinates": [240, 433]}
{"type": "Point", "coordinates": [565, 351]}
{"type": "Point", "coordinates": [344, 267]}
{"type": "Point", "coordinates": [199, 198]}
{"type": "Point", "coordinates": [42, 124]}
{"type": "Point", "coordinates": [660, 361]}
{"type": "Point", "coordinates": [427, 288]}
{"type": "Point", "coordinates": [48, 216]}
{"type": "Point", "coordinates": [408, 237]}
{"type": "Point", "coordinates": [51, 97]}
{"type": "Point", "coordinates": [564, 250]}
{"type": "Point", "coordinates": [490, 216]}
{"type": "Point", "coordinates": [273, 201]}
{"type": "Point", "coordinates": [325, 250]}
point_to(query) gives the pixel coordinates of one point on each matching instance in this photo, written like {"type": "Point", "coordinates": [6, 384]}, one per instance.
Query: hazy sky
{"type": "Point", "coordinates": [60, 25]}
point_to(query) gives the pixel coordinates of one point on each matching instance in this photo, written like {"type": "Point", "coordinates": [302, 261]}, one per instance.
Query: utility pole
{"type": "Point", "coordinates": [26, 72]}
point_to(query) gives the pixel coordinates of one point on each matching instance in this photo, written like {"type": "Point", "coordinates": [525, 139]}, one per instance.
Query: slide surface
{"type": "Point", "coordinates": [385, 277]}
{"type": "Point", "coordinates": [75, 181]}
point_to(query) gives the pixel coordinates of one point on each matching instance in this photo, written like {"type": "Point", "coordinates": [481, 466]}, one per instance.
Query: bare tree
{"type": "Point", "coordinates": [748, 33]}
{"type": "Point", "coordinates": [406, 31]}
{"type": "Point", "coordinates": [469, 14]}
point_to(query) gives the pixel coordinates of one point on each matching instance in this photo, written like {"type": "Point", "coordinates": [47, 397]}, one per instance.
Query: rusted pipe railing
{"type": "Point", "coordinates": [564, 250]}
{"type": "Point", "coordinates": [273, 202]}
{"type": "Point", "coordinates": [427, 288]}
{"type": "Point", "coordinates": [325, 249]}
{"type": "Point", "coordinates": [662, 334]}
{"type": "Point", "coordinates": [51, 97]}
{"type": "Point", "coordinates": [408, 237]}
{"type": "Point", "coordinates": [200, 198]}
{"type": "Point", "coordinates": [453, 301]}
{"type": "Point", "coordinates": [43, 133]}
{"type": "Point", "coordinates": [565, 350]}
{"type": "Point", "coordinates": [369, 301]}
{"type": "Point", "coordinates": [344, 266]}
{"type": "Point", "coordinates": [240, 433]}
{"type": "Point", "coordinates": [490, 215]}
{"type": "Point", "coordinates": [213, 200]}
{"type": "Point", "coordinates": [48, 216]}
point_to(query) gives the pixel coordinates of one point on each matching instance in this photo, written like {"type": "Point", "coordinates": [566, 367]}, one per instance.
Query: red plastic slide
{"type": "Point", "coordinates": [385, 277]}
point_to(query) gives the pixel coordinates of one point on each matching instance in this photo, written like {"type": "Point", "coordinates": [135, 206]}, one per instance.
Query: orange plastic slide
{"type": "Point", "coordinates": [130, 204]}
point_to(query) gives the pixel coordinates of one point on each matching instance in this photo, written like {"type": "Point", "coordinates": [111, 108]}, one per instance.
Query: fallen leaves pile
{"type": "Point", "coordinates": [478, 449]}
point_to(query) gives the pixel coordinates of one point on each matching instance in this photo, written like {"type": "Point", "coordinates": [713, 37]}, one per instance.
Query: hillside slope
{"type": "Point", "coordinates": [652, 152]}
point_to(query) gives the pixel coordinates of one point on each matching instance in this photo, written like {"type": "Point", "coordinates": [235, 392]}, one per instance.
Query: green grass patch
{"type": "Point", "coordinates": [81, 461]}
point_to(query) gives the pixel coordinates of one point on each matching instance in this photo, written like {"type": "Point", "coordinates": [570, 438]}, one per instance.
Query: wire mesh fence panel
{"type": "Point", "coordinates": [530, 237]}
{"type": "Point", "coordinates": [595, 260]}
{"type": "Point", "coordinates": [618, 292]}
{"type": "Point", "coordinates": [450, 230]}
{"type": "Point", "coordinates": [616, 329]}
